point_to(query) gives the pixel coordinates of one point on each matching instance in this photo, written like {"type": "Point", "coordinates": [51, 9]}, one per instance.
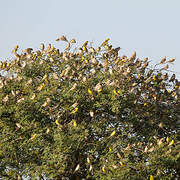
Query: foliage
{"type": "Point", "coordinates": [88, 113]}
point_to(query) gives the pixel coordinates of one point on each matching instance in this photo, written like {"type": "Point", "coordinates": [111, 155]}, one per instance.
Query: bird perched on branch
{"type": "Point", "coordinates": [163, 60]}
{"type": "Point", "coordinates": [172, 78]}
{"type": "Point", "coordinates": [85, 44]}
{"type": "Point", "coordinates": [28, 50]}
{"type": "Point", "coordinates": [62, 38]}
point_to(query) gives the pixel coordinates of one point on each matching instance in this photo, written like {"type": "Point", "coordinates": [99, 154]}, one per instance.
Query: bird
{"type": "Point", "coordinates": [68, 46]}
{"type": "Point", "coordinates": [133, 56]}
{"type": "Point", "coordinates": [85, 44]}
{"type": "Point", "coordinates": [77, 168]}
{"type": "Point", "coordinates": [42, 47]}
{"type": "Point", "coordinates": [72, 41]}
{"type": "Point", "coordinates": [172, 60]}
{"type": "Point", "coordinates": [145, 59]}
{"type": "Point", "coordinates": [28, 50]}
{"type": "Point", "coordinates": [165, 67]}
{"type": "Point", "coordinates": [172, 78]}
{"type": "Point", "coordinates": [117, 49]}
{"type": "Point", "coordinates": [62, 38]}
{"type": "Point", "coordinates": [92, 50]}
{"type": "Point", "coordinates": [85, 48]}
{"type": "Point", "coordinates": [113, 133]}
{"type": "Point", "coordinates": [15, 49]}
{"type": "Point", "coordinates": [80, 51]}
{"type": "Point", "coordinates": [163, 60]}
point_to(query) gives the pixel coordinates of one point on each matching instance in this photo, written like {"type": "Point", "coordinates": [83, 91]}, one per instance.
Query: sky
{"type": "Point", "coordinates": [149, 27]}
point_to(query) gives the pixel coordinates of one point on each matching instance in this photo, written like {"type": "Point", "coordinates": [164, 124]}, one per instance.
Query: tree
{"type": "Point", "coordinates": [91, 114]}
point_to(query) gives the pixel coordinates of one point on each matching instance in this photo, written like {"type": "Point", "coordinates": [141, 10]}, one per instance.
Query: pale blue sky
{"type": "Point", "coordinates": [150, 27]}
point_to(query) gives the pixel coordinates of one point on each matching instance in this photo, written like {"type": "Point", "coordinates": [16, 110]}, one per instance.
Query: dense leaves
{"type": "Point", "coordinates": [88, 113]}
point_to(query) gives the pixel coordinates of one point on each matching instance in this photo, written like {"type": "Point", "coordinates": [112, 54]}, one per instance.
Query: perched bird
{"type": "Point", "coordinates": [72, 41]}
{"type": "Point", "coordinates": [77, 168]}
{"type": "Point", "coordinates": [33, 137]}
{"type": "Point", "coordinates": [117, 49]}
{"type": "Point", "coordinates": [92, 50]}
{"type": "Point", "coordinates": [163, 60]}
{"type": "Point", "coordinates": [172, 78]}
{"type": "Point", "coordinates": [90, 92]}
{"type": "Point", "coordinates": [113, 133]}
{"type": "Point", "coordinates": [133, 56]}
{"type": "Point", "coordinates": [42, 47]}
{"type": "Point", "coordinates": [138, 63]}
{"type": "Point", "coordinates": [68, 46]}
{"type": "Point", "coordinates": [93, 60]}
{"type": "Point", "coordinates": [172, 60]}
{"type": "Point", "coordinates": [164, 76]}
{"type": "Point", "coordinates": [28, 50]}
{"type": "Point", "coordinates": [15, 49]}
{"type": "Point", "coordinates": [62, 38]}
{"type": "Point", "coordinates": [98, 49]}
{"type": "Point", "coordinates": [80, 51]}
{"type": "Point", "coordinates": [145, 65]}
{"type": "Point", "coordinates": [105, 42]}
{"type": "Point", "coordinates": [171, 143]}
{"type": "Point", "coordinates": [57, 122]}
{"type": "Point", "coordinates": [85, 48]}
{"type": "Point", "coordinates": [48, 47]}
{"type": "Point", "coordinates": [85, 44]}
{"type": "Point", "coordinates": [165, 67]}
{"type": "Point", "coordinates": [145, 59]}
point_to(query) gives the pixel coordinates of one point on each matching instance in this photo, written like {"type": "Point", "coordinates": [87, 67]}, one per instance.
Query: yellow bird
{"type": "Point", "coordinates": [4, 65]}
{"type": "Point", "coordinates": [110, 149]}
{"type": "Point", "coordinates": [154, 78]}
{"type": "Point", "coordinates": [103, 169]}
{"type": "Point", "coordinates": [75, 110]}
{"type": "Point", "coordinates": [74, 123]}
{"type": "Point", "coordinates": [85, 48]}
{"type": "Point", "coordinates": [85, 44]}
{"type": "Point", "coordinates": [57, 123]}
{"type": "Point", "coordinates": [121, 163]}
{"type": "Point", "coordinates": [33, 137]}
{"type": "Point", "coordinates": [90, 92]}
{"type": "Point", "coordinates": [167, 139]}
{"type": "Point", "coordinates": [72, 41]}
{"type": "Point", "coordinates": [113, 133]}
{"type": "Point", "coordinates": [105, 42]}
{"type": "Point", "coordinates": [15, 49]}
{"type": "Point", "coordinates": [115, 92]}
{"type": "Point", "coordinates": [151, 177]}
{"type": "Point", "coordinates": [171, 143]}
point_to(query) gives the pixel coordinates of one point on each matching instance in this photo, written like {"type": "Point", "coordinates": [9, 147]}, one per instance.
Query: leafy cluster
{"type": "Point", "coordinates": [88, 113]}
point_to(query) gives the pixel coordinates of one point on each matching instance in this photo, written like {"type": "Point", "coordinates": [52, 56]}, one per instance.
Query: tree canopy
{"type": "Point", "coordinates": [89, 113]}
